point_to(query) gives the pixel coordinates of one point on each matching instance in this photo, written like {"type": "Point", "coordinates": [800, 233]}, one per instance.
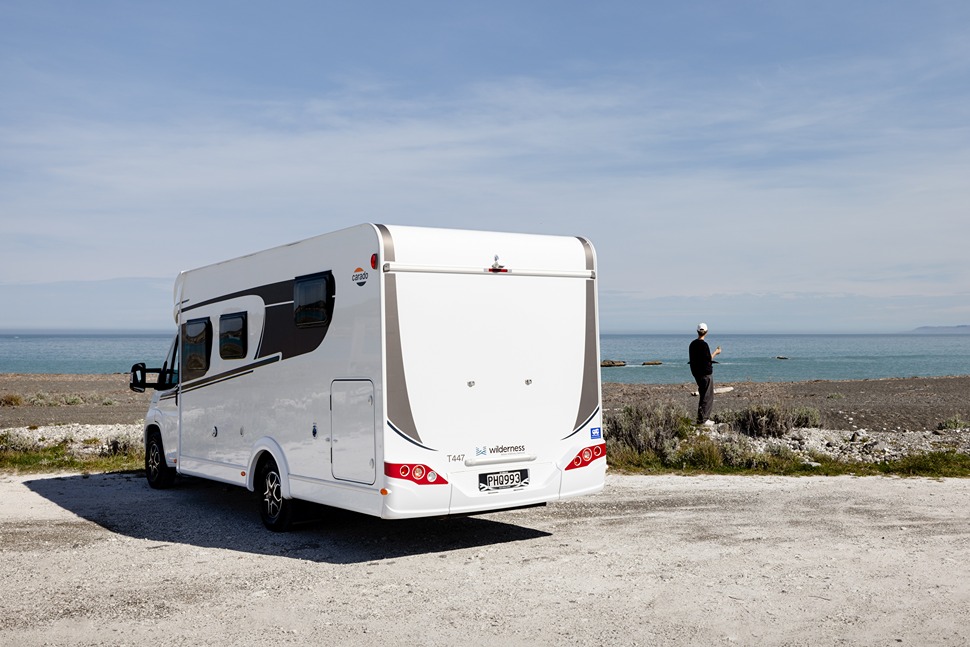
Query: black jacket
{"type": "Point", "coordinates": [700, 358]}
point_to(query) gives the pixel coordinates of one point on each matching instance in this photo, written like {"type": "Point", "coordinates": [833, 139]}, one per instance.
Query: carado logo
{"type": "Point", "coordinates": [359, 277]}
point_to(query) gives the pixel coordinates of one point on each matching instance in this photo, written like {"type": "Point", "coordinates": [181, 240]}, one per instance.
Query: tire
{"type": "Point", "coordinates": [275, 511]}
{"type": "Point", "coordinates": [160, 476]}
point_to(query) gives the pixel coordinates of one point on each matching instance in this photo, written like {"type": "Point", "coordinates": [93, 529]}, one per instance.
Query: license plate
{"type": "Point", "coordinates": [503, 480]}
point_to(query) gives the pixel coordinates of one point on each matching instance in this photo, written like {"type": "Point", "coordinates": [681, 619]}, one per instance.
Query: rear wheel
{"type": "Point", "coordinates": [275, 511]}
{"type": "Point", "coordinates": [157, 471]}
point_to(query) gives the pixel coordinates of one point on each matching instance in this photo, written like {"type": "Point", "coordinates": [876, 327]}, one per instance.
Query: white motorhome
{"type": "Point", "coordinates": [393, 371]}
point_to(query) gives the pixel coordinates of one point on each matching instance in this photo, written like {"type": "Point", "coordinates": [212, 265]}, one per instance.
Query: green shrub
{"type": "Point", "coordinates": [11, 400]}
{"type": "Point", "coordinates": [763, 421]}
{"type": "Point", "coordinates": [948, 463]}
{"type": "Point", "coordinates": [699, 453]}
{"type": "Point", "coordinates": [737, 452]}
{"type": "Point", "coordinates": [646, 437]}
{"type": "Point", "coordinates": [954, 422]}
{"type": "Point", "coordinates": [770, 421]}
{"type": "Point", "coordinates": [623, 457]}
{"type": "Point", "coordinates": [805, 417]}
{"type": "Point", "coordinates": [649, 428]}
{"type": "Point", "coordinates": [43, 400]}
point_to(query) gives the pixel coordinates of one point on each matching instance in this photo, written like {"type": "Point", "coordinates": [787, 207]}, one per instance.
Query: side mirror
{"type": "Point", "coordinates": [138, 376]}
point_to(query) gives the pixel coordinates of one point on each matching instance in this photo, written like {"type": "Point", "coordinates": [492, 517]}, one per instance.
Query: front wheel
{"type": "Point", "coordinates": [157, 471]}
{"type": "Point", "coordinates": [275, 511]}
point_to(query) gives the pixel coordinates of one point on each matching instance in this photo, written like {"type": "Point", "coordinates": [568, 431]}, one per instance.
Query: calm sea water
{"type": "Point", "coordinates": [809, 357]}
{"type": "Point", "coordinates": [107, 353]}
{"type": "Point", "coordinates": [745, 357]}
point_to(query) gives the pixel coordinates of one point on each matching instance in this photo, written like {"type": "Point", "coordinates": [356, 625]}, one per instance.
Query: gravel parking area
{"type": "Point", "coordinates": [104, 560]}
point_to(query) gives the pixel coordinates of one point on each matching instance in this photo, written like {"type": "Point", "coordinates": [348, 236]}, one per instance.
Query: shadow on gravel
{"type": "Point", "coordinates": [203, 513]}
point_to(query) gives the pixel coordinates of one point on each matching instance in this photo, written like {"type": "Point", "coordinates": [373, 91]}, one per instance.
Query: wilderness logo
{"type": "Point", "coordinates": [499, 449]}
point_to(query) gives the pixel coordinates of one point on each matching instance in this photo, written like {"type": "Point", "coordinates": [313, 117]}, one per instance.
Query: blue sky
{"type": "Point", "coordinates": [762, 166]}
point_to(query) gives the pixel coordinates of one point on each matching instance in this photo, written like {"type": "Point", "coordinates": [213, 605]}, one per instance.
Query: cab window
{"type": "Point", "coordinates": [196, 348]}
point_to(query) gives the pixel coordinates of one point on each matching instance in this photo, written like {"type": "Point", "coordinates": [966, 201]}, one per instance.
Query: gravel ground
{"type": "Point", "coordinates": [104, 560]}
{"type": "Point", "coordinates": [666, 560]}
{"type": "Point", "coordinates": [877, 406]}
{"type": "Point", "coordinates": [70, 399]}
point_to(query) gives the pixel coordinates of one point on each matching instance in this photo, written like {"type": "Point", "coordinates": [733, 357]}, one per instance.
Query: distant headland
{"type": "Point", "coordinates": [942, 330]}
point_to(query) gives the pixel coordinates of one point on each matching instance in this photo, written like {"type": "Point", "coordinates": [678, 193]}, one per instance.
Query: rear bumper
{"type": "Point", "coordinates": [462, 495]}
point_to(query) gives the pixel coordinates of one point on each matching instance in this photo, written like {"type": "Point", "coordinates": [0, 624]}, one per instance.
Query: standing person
{"type": "Point", "coordinates": [702, 368]}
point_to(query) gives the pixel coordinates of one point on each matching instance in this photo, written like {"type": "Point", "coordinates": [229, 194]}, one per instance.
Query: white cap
{"type": "Point", "coordinates": [702, 327]}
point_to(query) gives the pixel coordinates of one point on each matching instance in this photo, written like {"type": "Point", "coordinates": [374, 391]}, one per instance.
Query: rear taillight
{"type": "Point", "coordinates": [587, 455]}
{"type": "Point", "coordinates": [414, 472]}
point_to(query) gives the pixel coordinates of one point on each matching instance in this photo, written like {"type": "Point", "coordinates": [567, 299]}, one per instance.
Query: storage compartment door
{"type": "Point", "coordinates": [353, 431]}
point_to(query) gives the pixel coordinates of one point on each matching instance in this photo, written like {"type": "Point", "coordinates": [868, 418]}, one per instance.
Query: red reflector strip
{"type": "Point", "coordinates": [414, 472]}
{"type": "Point", "coordinates": [497, 270]}
{"type": "Point", "coordinates": [587, 455]}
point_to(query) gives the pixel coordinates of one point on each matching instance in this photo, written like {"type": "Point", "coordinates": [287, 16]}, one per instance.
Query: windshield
{"type": "Point", "coordinates": [170, 369]}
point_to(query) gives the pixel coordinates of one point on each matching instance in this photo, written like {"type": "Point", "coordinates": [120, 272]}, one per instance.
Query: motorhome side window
{"type": "Point", "coordinates": [232, 336]}
{"type": "Point", "coordinates": [313, 300]}
{"type": "Point", "coordinates": [196, 348]}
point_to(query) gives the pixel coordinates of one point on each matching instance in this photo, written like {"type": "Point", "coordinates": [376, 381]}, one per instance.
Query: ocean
{"type": "Point", "coordinates": [81, 353]}
{"type": "Point", "coordinates": [744, 358]}
{"type": "Point", "coordinates": [788, 358]}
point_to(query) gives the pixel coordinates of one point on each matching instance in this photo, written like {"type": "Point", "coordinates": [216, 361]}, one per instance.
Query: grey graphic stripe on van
{"type": "Point", "coordinates": [589, 252]}
{"type": "Point", "coordinates": [398, 402]}
{"type": "Point", "coordinates": [388, 242]}
{"type": "Point", "coordinates": [589, 399]}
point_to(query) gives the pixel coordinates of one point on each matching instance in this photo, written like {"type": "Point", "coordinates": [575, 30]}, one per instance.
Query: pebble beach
{"type": "Point", "coordinates": [860, 419]}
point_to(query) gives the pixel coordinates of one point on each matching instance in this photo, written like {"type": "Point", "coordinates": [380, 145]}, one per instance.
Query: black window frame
{"type": "Point", "coordinates": [307, 314]}
{"type": "Point", "coordinates": [190, 353]}
{"type": "Point", "coordinates": [231, 345]}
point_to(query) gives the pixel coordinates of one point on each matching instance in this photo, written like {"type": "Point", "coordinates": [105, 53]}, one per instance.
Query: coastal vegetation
{"type": "Point", "coordinates": [903, 427]}
{"type": "Point", "coordinates": [44, 399]}
{"type": "Point", "coordinates": [954, 422]}
{"type": "Point", "coordinates": [26, 453]}
{"type": "Point", "coordinates": [662, 438]}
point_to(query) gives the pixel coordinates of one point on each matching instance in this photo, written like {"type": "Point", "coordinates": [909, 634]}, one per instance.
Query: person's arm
{"type": "Point", "coordinates": [717, 351]}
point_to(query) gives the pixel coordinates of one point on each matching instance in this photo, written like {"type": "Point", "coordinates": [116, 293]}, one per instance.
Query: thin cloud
{"type": "Point", "coordinates": [837, 171]}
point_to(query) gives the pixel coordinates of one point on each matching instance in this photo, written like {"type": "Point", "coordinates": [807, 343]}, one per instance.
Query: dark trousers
{"type": "Point", "coordinates": [705, 393]}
